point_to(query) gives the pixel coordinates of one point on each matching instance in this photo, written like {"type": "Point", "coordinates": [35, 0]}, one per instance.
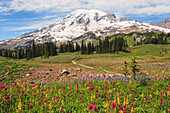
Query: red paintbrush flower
{"type": "Point", "coordinates": [133, 90]}
{"type": "Point", "coordinates": [132, 104]}
{"type": "Point", "coordinates": [31, 105]}
{"type": "Point", "coordinates": [161, 93]}
{"type": "Point", "coordinates": [90, 106]}
{"type": "Point", "coordinates": [57, 100]}
{"type": "Point", "coordinates": [83, 93]}
{"type": "Point", "coordinates": [98, 94]}
{"type": "Point", "coordinates": [166, 93]}
{"type": "Point", "coordinates": [52, 98]}
{"type": "Point", "coordinates": [148, 101]}
{"type": "Point", "coordinates": [25, 85]}
{"type": "Point", "coordinates": [77, 90]}
{"type": "Point", "coordinates": [80, 98]}
{"type": "Point", "coordinates": [56, 96]}
{"type": "Point", "coordinates": [6, 97]}
{"type": "Point", "coordinates": [42, 89]}
{"type": "Point", "coordinates": [44, 100]}
{"type": "Point", "coordinates": [124, 111]}
{"type": "Point", "coordinates": [161, 99]}
{"type": "Point", "coordinates": [35, 94]}
{"type": "Point", "coordinates": [113, 105]}
{"type": "Point", "coordinates": [124, 106]}
{"type": "Point", "coordinates": [39, 102]}
{"type": "Point", "coordinates": [62, 110]}
{"type": "Point", "coordinates": [97, 90]}
{"type": "Point", "coordinates": [68, 94]}
{"type": "Point", "coordinates": [95, 108]}
{"type": "Point", "coordinates": [77, 85]}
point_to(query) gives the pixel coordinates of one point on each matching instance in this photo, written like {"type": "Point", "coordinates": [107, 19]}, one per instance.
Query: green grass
{"type": "Point", "coordinates": [151, 49]}
{"type": "Point", "coordinates": [75, 96]}
{"type": "Point", "coordinates": [148, 57]}
{"type": "Point", "coordinates": [54, 59]}
{"type": "Point", "coordinates": [10, 69]}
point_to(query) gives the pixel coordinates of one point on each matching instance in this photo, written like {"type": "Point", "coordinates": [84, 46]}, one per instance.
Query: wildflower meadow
{"type": "Point", "coordinates": [95, 94]}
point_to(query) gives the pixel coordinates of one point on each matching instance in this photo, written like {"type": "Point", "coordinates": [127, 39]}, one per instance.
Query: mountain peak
{"type": "Point", "coordinates": [76, 24]}
{"type": "Point", "coordinates": [85, 11]}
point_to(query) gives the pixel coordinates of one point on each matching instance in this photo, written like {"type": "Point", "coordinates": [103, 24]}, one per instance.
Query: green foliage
{"type": "Point", "coordinates": [11, 69]}
{"type": "Point", "coordinates": [125, 69]}
{"type": "Point", "coordinates": [54, 96]}
{"type": "Point", "coordinates": [133, 66]}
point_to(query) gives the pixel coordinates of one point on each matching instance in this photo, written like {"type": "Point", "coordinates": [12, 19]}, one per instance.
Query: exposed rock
{"type": "Point", "coordinates": [7, 73]}
{"type": "Point", "coordinates": [60, 75]}
{"type": "Point", "coordinates": [79, 69]}
{"type": "Point", "coordinates": [65, 71]}
{"type": "Point", "coordinates": [125, 19]}
{"type": "Point", "coordinates": [50, 70]}
{"type": "Point", "coordinates": [73, 75]}
{"type": "Point", "coordinates": [28, 75]}
{"type": "Point", "coordinates": [165, 23]}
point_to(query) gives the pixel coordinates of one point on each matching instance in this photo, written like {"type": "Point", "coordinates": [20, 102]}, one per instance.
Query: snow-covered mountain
{"type": "Point", "coordinates": [79, 22]}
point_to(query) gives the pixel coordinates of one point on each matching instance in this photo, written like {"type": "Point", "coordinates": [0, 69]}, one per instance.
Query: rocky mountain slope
{"type": "Point", "coordinates": [77, 23]}
{"type": "Point", "coordinates": [165, 23]}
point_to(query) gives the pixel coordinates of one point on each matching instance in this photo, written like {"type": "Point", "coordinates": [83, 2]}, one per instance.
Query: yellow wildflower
{"type": "Point", "coordinates": [132, 109]}
{"type": "Point", "coordinates": [62, 102]}
{"type": "Point", "coordinates": [50, 106]}
{"type": "Point", "coordinates": [110, 91]}
{"type": "Point", "coordinates": [127, 101]}
{"type": "Point", "coordinates": [150, 95]}
{"type": "Point", "coordinates": [106, 104]}
{"type": "Point", "coordinates": [115, 99]}
{"type": "Point", "coordinates": [20, 104]}
{"type": "Point", "coordinates": [124, 103]}
{"type": "Point", "coordinates": [118, 100]}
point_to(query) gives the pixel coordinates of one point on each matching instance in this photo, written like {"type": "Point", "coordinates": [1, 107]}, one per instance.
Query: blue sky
{"type": "Point", "coordinates": [21, 16]}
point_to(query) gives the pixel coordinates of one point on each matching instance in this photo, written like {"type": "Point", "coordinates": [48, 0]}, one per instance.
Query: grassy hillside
{"type": "Point", "coordinates": [153, 59]}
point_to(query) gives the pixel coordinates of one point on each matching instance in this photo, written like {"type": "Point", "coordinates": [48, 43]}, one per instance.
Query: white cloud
{"type": "Point", "coordinates": [31, 25]}
{"type": "Point", "coordinates": [121, 7]}
{"type": "Point", "coordinates": [3, 20]}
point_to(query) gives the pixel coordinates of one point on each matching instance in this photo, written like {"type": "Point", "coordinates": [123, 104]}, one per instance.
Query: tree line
{"type": "Point", "coordinates": [44, 50]}
{"type": "Point", "coordinates": [113, 46]}
{"type": "Point", "coordinates": [103, 46]}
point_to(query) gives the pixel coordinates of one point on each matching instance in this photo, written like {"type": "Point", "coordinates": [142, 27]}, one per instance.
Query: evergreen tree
{"type": "Point", "coordinates": [6, 53]}
{"type": "Point", "coordinates": [125, 69]}
{"type": "Point", "coordinates": [89, 49]}
{"type": "Point", "coordinates": [92, 48]}
{"type": "Point", "coordinates": [77, 47]}
{"type": "Point", "coordinates": [0, 52]}
{"type": "Point", "coordinates": [85, 49]}
{"type": "Point", "coordinates": [100, 46]}
{"type": "Point", "coordinates": [82, 47]}
{"type": "Point", "coordinates": [9, 53]}
{"type": "Point", "coordinates": [54, 49]}
{"type": "Point", "coordinates": [19, 54]}
{"type": "Point", "coordinates": [134, 67]}
{"type": "Point", "coordinates": [116, 45]}
{"type": "Point", "coordinates": [28, 53]}
{"type": "Point", "coordinates": [33, 50]}
{"type": "Point", "coordinates": [97, 49]}
{"type": "Point", "coordinates": [46, 54]}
